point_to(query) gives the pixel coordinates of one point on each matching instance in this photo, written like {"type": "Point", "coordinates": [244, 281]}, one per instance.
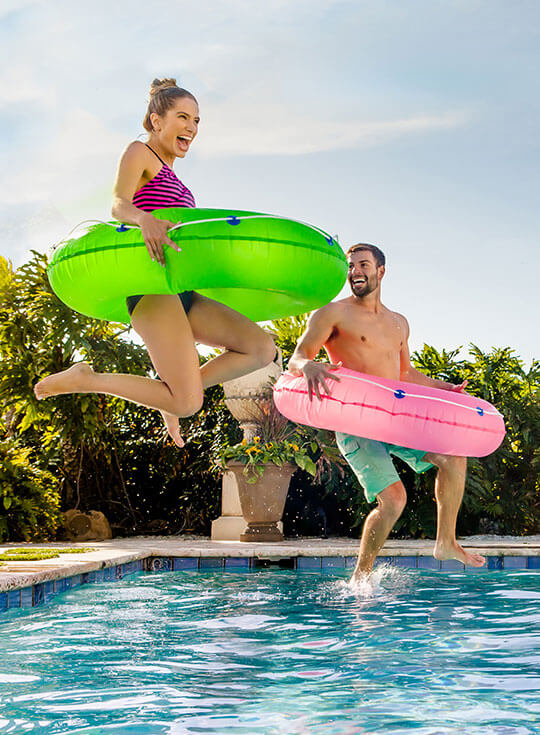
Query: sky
{"type": "Point", "coordinates": [412, 124]}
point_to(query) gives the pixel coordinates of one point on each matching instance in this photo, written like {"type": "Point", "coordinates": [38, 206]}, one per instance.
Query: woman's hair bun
{"type": "Point", "coordinates": [163, 96]}
{"type": "Point", "coordinates": [158, 85]}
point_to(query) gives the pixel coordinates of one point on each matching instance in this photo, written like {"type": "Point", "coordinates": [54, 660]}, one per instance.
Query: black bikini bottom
{"type": "Point", "coordinates": [186, 297]}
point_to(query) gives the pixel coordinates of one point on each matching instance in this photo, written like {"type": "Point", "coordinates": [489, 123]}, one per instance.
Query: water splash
{"type": "Point", "coordinates": [383, 580]}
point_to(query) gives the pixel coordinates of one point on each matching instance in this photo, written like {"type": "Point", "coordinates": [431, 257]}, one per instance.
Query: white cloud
{"type": "Point", "coordinates": [261, 134]}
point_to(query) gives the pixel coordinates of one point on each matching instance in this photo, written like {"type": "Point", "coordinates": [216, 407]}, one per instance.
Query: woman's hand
{"type": "Point", "coordinates": [154, 232]}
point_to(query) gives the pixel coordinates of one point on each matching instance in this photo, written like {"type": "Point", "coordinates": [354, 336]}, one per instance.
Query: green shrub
{"type": "Point", "coordinates": [98, 452]}
{"type": "Point", "coordinates": [108, 454]}
{"type": "Point", "coordinates": [29, 496]}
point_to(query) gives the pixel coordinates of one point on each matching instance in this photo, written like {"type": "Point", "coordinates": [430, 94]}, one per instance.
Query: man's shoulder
{"type": "Point", "coordinates": [329, 311]}
{"type": "Point", "coordinates": [400, 318]}
{"type": "Point", "coordinates": [396, 314]}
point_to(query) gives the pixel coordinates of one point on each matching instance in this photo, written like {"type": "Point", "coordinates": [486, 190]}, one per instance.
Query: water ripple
{"type": "Point", "coordinates": [278, 653]}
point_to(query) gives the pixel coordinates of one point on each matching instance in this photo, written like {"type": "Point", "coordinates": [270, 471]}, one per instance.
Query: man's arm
{"type": "Point", "coordinates": [409, 374]}
{"type": "Point", "coordinates": [319, 329]}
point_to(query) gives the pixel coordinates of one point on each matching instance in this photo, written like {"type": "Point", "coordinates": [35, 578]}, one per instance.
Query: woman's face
{"type": "Point", "coordinates": [178, 127]}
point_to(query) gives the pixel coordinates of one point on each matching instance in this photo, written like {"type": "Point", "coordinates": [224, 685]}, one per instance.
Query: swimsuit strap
{"type": "Point", "coordinates": [155, 154]}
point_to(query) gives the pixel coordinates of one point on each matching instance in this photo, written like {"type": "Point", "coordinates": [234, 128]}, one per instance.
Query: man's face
{"type": "Point", "coordinates": [363, 276]}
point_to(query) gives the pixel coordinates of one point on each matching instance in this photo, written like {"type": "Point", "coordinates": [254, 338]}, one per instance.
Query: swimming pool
{"type": "Point", "coordinates": [278, 652]}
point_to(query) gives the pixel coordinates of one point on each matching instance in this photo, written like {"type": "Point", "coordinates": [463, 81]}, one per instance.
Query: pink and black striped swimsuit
{"type": "Point", "coordinates": [164, 190]}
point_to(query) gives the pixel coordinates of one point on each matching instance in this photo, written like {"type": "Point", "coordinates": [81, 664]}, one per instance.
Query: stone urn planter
{"type": "Point", "coordinates": [243, 397]}
{"type": "Point", "coordinates": [263, 501]}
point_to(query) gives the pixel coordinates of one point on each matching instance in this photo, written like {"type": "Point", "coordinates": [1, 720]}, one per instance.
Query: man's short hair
{"type": "Point", "coordinates": [373, 249]}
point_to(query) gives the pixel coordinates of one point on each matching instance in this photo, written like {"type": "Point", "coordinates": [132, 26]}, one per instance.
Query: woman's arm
{"type": "Point", "coordinates": [130, 172]}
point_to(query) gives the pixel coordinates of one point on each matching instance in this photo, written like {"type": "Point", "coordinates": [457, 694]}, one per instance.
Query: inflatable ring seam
{"type": "Point", "coordinates": [123, 246]}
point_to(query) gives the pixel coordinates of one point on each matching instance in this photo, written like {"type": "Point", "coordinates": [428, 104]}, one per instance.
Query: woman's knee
{"type": "Point", "coordinates": [187, 404]}
{"type": "Point", "coordinates": [264, 348]}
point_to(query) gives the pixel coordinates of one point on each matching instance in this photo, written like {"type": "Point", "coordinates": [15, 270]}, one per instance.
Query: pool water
{"type": "Point", "coordinates": [278, 653]}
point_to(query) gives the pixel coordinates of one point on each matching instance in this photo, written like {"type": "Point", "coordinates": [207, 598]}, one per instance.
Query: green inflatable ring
{"type": "Point", "coordinates": [263, 266]}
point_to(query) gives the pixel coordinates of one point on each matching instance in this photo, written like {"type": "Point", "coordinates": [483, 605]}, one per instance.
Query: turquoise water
{"type": "Point", "coordinates": [278, 653]}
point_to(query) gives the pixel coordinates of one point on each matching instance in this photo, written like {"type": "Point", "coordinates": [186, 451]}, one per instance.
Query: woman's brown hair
{"type": "Point", "coordinates": [163, 93]}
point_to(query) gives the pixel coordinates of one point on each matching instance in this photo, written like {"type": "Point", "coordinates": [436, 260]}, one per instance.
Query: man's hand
{"type": "Point", "coordinates": [316, 375]}
{"type": "Point", "coordinates": [459, 388]}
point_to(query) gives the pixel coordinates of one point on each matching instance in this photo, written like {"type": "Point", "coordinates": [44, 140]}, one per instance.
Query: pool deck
{"type": "Point", "coordinates": [201, 552]}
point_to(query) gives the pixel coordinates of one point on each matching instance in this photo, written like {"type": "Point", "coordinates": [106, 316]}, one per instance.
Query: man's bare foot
{"type": "Point", "coordinates": [360, 575]}
{"type": "Point", "coordinates": [455, 551]}
{"type": "Point", "coordinates": [365, 584]}
{"type": "Point", "coordinates": [72, 380]}
{"type": "Point", "coordinates": [173, 428]}
{"type": "Point", "coordinates": [358, 580]}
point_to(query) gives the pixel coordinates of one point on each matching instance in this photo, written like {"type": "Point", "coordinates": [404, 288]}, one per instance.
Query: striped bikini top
{"type": "Point", "coordinates": [164, 190]}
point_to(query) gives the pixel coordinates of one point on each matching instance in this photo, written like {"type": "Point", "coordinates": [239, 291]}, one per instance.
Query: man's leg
{"type": "Point", "coordinates": [372, 464]}
{"type": "Point", "coordinates": [449, 487]}
{"type": "Point", "coordinates": [390, 504]}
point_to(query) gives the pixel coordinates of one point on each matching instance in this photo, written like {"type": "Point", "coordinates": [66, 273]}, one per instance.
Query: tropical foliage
{"type": "Point", "coordinates": [102, 453]}
{"type": "Point", "coordinates": [29, 496]}
{"type": "Point", "coordinates": [503, 490]}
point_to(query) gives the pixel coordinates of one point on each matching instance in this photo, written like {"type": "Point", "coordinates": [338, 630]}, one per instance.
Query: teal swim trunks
{"type": "Point", "coordinates": [372, 464]}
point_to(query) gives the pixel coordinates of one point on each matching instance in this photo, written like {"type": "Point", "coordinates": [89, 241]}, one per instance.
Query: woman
{"type": "Point", "coordinates": [169, 325]}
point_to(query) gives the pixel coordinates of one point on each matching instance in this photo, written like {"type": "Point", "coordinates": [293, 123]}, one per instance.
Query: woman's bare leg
{"type": "Point", "coordinates": [248, 347]}
{"type": "Point", "coordinates": [169, 337]}
{"type": "Point", "coordinates": [165, 330]}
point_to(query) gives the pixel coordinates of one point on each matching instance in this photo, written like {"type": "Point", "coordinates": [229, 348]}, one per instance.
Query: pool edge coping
{"type": "Point", "coordinates": [300, 554]}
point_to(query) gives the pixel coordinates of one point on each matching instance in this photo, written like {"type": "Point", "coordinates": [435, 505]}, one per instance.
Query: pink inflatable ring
{"type": "Point", "coordinates": [390, 411]}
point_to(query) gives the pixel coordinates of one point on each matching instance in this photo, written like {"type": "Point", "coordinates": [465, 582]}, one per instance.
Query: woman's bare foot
{"type": "Point", "coordinates": [455, 551]}
{"type": "Point", "coordinates": [73, 380]}
{"type": "Point", "coordinates": [173, 428]}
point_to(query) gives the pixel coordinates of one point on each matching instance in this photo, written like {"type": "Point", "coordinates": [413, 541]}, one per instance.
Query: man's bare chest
{"type": "Point", "coordinates": [371, 332]}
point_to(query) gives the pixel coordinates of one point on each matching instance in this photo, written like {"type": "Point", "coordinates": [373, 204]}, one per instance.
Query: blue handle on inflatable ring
{"type": "Point", "coordinates": [122, 228]}
{"type": "Point", "coordinates": [479, 411]}
{"type": "Point", "coordinates": [399, 393]}
{"type": "Point", "coordinates": [233, 221]}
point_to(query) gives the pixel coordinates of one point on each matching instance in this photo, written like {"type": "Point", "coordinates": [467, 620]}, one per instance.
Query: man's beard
{"type": "Point", "coordinates": [366, 288]}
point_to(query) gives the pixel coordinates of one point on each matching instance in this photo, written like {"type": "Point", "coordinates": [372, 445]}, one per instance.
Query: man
{"type": "Point", "coordinates": [362, 334]}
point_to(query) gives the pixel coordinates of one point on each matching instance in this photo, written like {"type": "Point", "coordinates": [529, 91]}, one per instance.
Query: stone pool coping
{"type": "Point", "coordinates": [124, 554]}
